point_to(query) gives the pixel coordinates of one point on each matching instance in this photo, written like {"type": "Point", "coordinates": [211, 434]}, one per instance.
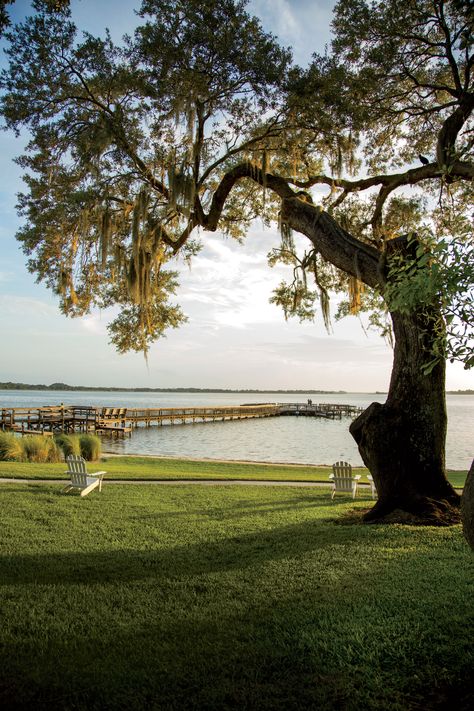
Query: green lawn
{"type": "Point", "coordinates": [185, 597]}
{"type": "Point", "coordinates": [164, 468]}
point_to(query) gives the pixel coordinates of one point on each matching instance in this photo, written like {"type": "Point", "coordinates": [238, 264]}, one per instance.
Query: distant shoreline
{"type": "Point", "coordinates": [64, 387]}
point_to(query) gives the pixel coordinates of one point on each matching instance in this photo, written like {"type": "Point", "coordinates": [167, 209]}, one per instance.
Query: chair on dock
{"type": "Point", "coordinates": [373, 488]}
{"type": "Point", "coordinates": [343, 480]}
{"type": "Point", "coordinates": [80, 479]}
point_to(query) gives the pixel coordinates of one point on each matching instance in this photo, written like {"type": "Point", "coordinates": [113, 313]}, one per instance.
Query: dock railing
{"type": "Point", "coordinates": [148, 416]}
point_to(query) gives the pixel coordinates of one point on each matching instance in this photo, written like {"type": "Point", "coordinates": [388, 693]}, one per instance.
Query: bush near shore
{"type": "Point", "coordinates": [41, 449]}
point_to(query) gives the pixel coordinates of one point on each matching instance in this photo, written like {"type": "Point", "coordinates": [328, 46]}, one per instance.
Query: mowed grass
{"type": "Point", "coordinates": [172, 468]}
{"type": "Point", "coordinates": [186, 597]}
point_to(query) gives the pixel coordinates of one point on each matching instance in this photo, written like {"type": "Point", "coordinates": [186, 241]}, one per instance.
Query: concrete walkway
{"type": "Point", "coordinates": [203, 482]}
{"type": "Point", "coordinates": [173, 482]}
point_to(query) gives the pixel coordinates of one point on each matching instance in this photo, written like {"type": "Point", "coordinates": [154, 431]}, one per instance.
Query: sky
{"type": "Point", "coordinates": [234, 337]}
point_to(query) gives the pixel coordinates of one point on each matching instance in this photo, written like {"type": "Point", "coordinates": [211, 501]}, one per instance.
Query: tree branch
{"type": "Point", "coordinates": [446, 145]}
{"type": "Point", "coordinates": [269, 133]}
{"type": "Point", "coordinates": [448, 47]}
{"type": "Point", "coordinates": [409, 177]}
{"type": "Point", "coordinates": [242, 170]}
{"type": "Point", "coordinates": [331, 241]}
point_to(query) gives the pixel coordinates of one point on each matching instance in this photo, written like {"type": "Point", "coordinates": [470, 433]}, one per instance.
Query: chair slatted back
{"type": "Point", "coordinates": [77, 469]}
{"type": "Point", "coordinates": [343, 478]}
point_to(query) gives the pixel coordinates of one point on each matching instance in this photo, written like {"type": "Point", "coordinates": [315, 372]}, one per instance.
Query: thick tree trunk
{"type": "Point", "coordinates": [402, 442]}
{"type": "Point", "coordinates": [467, 507]}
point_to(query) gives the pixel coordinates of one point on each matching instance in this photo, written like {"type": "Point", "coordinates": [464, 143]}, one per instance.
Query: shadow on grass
{"type": "Point", "coordinates": [192, 645]}
{"type": "Point", "coordinates": [124, 565]}
{"type": "Point", "coordinates": [241, 509]}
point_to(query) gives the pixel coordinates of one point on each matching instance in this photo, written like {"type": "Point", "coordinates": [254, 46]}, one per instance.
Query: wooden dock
{"type": "Point", "coordinates": [120, 421]}
{"type": "Point", "coordinates": [172, 415]}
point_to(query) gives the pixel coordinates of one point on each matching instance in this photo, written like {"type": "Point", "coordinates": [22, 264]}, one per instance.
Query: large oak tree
{"type": "Point", "coordinates": [200, 121]}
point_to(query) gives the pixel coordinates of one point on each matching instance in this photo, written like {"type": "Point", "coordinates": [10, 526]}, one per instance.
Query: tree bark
{"type": "Point", "coordinates": [467, 507]}
{"type": "Point", "coordinates": [402, 442]}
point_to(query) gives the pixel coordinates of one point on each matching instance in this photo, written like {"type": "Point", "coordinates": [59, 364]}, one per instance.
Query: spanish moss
{"type": "Point", "coordinates": [356, 289]}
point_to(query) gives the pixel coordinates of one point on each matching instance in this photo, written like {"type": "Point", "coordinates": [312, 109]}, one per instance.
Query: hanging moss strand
{"type": "Point", "coordinates": [356, 288]}
{"type": "Point", "coordinates": [105, 238]}
{"type": "Point", "coordinates": [264, 175]}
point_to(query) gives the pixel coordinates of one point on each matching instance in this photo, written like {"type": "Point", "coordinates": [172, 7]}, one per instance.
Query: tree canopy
{"type": "Point", "coordinates": [200, 121]}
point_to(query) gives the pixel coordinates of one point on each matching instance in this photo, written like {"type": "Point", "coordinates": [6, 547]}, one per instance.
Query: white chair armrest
{"type": "Point", "coordinates": [331, 476]}
{"type": "Point", "coordinates": [357, 477]}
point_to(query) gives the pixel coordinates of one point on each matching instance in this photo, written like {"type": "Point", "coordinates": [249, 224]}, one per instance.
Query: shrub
{"type": "Point", "coordinates": [90, 447]}
{"type": "Point", "coordinates": [69, 444]}
{"type": "Point", "coordinates": [12, 448]}
{"type": "Point", "coordinates": [55, 454]}
{"type": "Point", "coordinates": [41, 449]}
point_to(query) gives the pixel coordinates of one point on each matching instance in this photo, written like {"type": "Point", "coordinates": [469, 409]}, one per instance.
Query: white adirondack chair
{"type": "Point", "coordinates": [80, 479]}
{"type": "Point", "coordinates": [373, 488]}
{"type": "Point", "coordinates": [343, 480]}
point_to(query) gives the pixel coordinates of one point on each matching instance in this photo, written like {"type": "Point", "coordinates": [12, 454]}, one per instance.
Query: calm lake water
{"type": "Point", "coordinates": [304, 440]}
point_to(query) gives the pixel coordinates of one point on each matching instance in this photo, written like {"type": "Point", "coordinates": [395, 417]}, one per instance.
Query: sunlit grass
{"type": "Point", "coordinates": [171, 468]}
{"type": "Point", "coordinates": [214, 598]}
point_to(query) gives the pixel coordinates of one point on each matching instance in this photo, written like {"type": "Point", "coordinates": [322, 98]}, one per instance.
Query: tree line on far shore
{"type": "Point", "coordinates": [64, 386]}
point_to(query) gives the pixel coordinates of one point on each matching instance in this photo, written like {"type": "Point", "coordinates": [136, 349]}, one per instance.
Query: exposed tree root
{"type": "Point", "coordinates": [421, 511]}
{"type": "Point", "coordinates": [433, 513]}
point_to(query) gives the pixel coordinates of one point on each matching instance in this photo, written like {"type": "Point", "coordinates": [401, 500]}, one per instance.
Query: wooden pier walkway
{"type": "Point", "coordinates": [171, 415]}
{"type": "Point", "coordinates": [119, 421]}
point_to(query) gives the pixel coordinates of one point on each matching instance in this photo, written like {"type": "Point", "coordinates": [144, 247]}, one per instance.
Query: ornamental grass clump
{"type": "Point", "coordinates": [69, 444]}
{"type": "Point", "coordinates": [90, 447]}
{"type": "Point", "coordinates": [12, 448]}
{"type": "Point", "coordinates": [41, 449]}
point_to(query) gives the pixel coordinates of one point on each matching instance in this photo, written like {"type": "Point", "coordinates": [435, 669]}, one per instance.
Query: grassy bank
{"type": "Point", "coordinates": [236, 598]}
{"type": "Point", "coordinates": [171, 468]}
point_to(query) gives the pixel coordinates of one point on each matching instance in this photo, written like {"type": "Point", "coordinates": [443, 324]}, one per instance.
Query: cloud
{"type": "Point", "coordinates": [24, 306]}
{"type": "Point", "coordinates": [278, 14]}
{"type": "Point", "coordinates": [303, 24]}
{"type": "Point", "coordinates": [93, 323]}
{"type": "Point", "coordinates": [230, 284]}
{"type": "Point", "coordinates": [336, 352]}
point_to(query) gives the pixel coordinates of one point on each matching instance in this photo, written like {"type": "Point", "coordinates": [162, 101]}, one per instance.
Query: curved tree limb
{"type": "Point", "coordinates": [409, 177]}
{"type": "Point", "coordinates": [335, 244]}
{"type": "Point", "coordinates": [446, 145]}
{"type": "Point", "coordinates": [242, 170]}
